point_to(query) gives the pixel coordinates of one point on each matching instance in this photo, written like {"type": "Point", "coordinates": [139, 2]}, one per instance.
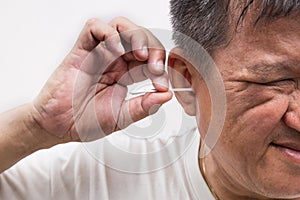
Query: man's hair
{"type": "Point", "coordinates": [208, 21]}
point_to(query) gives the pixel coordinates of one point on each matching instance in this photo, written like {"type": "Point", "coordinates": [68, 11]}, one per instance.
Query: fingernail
{"type": "Point", "coordinates": [120, 48]}
{"type": "Point", "coordinates": [160, 65]}
{"type": "Point", "coordinates": [145, 51]}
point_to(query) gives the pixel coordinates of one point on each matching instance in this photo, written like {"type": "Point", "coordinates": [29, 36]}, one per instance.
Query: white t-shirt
{"type": "Point", "coordinates": [116, 167]}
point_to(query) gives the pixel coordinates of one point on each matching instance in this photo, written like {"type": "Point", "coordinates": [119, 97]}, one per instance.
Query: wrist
{"type": "Point", "coordinates": [21, 135]}
{"type": "Point", "coordinates": [21, 131]}
{"type": "Point", "coordinates": [37, 137]}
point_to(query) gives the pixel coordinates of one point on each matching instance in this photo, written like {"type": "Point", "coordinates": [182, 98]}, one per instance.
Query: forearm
{"type": "Point", "coordinates": [20, 136]}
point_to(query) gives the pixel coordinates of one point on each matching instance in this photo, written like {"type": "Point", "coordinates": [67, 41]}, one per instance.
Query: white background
{"type": "Point", "coordinates": [37, 34]}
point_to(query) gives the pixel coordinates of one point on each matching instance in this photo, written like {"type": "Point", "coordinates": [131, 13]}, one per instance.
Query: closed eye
{"type": "Point", "coordinates": [282, 82]}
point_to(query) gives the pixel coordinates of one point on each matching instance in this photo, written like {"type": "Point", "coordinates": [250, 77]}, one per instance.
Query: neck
{"type": "Point", "coordinates": [222, 185]}
{"type": "Point", "coordinates": [220, 188]}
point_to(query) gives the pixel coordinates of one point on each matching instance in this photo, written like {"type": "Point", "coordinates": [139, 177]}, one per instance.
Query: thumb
{"type": "Point", "coordinates": [140, 107]}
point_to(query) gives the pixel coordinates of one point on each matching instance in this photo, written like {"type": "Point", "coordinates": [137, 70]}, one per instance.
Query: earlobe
{"type": "Point", "coordinates": [180, 77]}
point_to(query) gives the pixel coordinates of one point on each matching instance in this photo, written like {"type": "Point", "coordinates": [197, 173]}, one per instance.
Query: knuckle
{"type": "Point", "coordinates": [91, 22]}
{"type": "Point", "coordinates": [143, 29]}
{"type": "Point", "coordinates": [112, 34]}
{"type": "Point", "coordinates": [155, 42]}
{"type": "Point", "coordinates": [121, 19]}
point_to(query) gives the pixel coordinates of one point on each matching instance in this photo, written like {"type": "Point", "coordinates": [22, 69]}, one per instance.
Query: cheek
{"type": "Point", "coordinates": [255, 112]}
{"type": "Point", "coordinates": [252, 116]}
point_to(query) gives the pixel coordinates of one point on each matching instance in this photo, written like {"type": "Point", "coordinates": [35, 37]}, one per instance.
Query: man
{"type": "Point", "coordinates": [255, 45]}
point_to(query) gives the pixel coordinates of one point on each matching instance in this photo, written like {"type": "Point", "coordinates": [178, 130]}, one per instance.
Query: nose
{"type": "Point", "coordinates": [292, 116]}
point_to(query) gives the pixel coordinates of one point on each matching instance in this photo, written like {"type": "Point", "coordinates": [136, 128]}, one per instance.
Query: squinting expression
{"type": "Point", "coordinates": [260, 142]}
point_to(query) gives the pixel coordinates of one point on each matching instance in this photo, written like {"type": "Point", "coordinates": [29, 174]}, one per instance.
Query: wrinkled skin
{"type": "Point", "coordinates": [258, 153]}
{"type": "Point", "coordinates": [84, 99]}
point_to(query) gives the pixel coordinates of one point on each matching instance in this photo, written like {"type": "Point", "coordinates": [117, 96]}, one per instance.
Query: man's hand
{"type": "Point", "coordinates": [85, 97]}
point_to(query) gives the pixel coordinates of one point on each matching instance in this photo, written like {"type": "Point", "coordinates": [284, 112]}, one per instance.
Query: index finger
{"type": "Point", "coordinates": [157, 55]}
{"type": "Point", "coordinates": [140, 38]}
{"type": "Point", "coordinates": [96, 31]}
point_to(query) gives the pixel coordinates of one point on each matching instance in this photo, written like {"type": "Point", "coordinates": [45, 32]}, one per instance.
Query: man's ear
{"type": "Point", "coordinates": [180, 77]}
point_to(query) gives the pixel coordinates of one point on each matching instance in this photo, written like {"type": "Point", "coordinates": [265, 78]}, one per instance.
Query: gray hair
{"type": "Point", "coordinates": [207, 21]}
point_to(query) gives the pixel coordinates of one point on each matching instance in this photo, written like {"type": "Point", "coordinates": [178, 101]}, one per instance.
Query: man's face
{"type": "Point", "coordinates": [259, 148]}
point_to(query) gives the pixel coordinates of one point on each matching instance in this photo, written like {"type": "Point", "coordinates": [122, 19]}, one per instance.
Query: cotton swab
{"type": "Point", "coordinates": [154, 90]}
